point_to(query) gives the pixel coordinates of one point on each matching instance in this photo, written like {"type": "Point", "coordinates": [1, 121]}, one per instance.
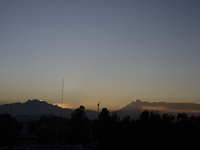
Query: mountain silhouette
{"type": "Point", "coordinates": [33, 109]}
{"type": "Point", "coordinates": [135, 108]}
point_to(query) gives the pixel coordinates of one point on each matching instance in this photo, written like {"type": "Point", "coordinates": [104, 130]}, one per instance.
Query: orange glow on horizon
{"type": "Point", "coordinates": [64, 105]}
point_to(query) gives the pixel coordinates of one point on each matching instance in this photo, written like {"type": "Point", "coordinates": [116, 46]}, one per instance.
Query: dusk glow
{"type": "Point", "coordinates": [108, 51]}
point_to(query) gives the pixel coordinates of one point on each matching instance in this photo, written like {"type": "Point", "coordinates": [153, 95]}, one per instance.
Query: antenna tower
{"type": "Point", "coordinates": [62, 96]}
{"type": "Point", "coordinates": [98, 106]}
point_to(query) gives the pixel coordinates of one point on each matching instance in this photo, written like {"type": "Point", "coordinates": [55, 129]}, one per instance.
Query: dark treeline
{"type": "Point", "coordinates": [149, 131]}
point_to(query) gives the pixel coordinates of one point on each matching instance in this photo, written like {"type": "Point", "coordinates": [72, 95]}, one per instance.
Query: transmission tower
{"type": "Point", "coordinates": [62, 96]}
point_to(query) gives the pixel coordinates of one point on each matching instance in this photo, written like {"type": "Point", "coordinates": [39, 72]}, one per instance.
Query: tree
{"type": "Point", "coordinates": [104, 115]}
{"type": "Point", "coordinates": [9, 129]}
{"type": "Point", "coordinates": [79, 126]}
{"type": "Point", "coordinates": [182, 116]}
{"type": "Point", "coordinates": [79, 114]}
{"type": "Point", "coordinates": [144, 115]}
{"type": "Point", "coordinates": [106, 130]}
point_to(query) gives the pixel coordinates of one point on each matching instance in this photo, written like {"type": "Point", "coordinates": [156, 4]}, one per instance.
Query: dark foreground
{"type": "Point", "coordinates": [149, 131]}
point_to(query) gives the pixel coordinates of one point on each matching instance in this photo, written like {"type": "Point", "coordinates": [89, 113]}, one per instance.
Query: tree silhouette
{"type": "Point", "coordinates": [79, 114]}
{"type": "Point", "coordinates": [182, 116]}
{"type": "Point", "coordinates": [106, 129]}
{"type": "Point", "coordinates": [104, 115]}
{"type": "Point", "coordinates": [9, 129]}
{"type": "Point", "coordinates": [79, 126]}
{"type": "Point", "coordinates": [149, 131]}
{"type": "Point", "coordinates": [48, 129]}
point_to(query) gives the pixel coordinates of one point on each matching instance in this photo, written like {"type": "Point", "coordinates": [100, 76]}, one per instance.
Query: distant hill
{"type": "Point", "coordinates": [135, 108]}
{"type": "Point", "coordinates": [34, 109]}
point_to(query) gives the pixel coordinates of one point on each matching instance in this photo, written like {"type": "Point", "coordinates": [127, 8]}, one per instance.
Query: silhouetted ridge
{"type": "Point", "coordinates": [36, 101]}
{"type": "Point", "coordinates": [37, 107]}
{"type": "Point", "coordinates": [133, 109]}
{"type": "Point", "coordinates": [136, 107]}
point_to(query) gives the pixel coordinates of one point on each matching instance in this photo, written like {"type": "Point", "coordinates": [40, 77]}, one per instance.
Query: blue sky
{"type": "Point", "coordinates": [112, 51]}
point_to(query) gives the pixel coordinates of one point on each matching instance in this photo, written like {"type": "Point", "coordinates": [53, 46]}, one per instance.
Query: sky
{"type": "Point", "coordinates": [108, 51]}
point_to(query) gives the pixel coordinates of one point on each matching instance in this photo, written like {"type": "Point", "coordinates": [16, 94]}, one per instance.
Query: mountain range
{"type": "Point", "coordinates": [34, 109]}
{"type": "Point", "coordinates": [135, 108]}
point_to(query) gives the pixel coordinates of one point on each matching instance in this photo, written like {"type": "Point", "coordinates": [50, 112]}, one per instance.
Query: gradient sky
{"type": "Point", "coordinates": [108, 50]}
